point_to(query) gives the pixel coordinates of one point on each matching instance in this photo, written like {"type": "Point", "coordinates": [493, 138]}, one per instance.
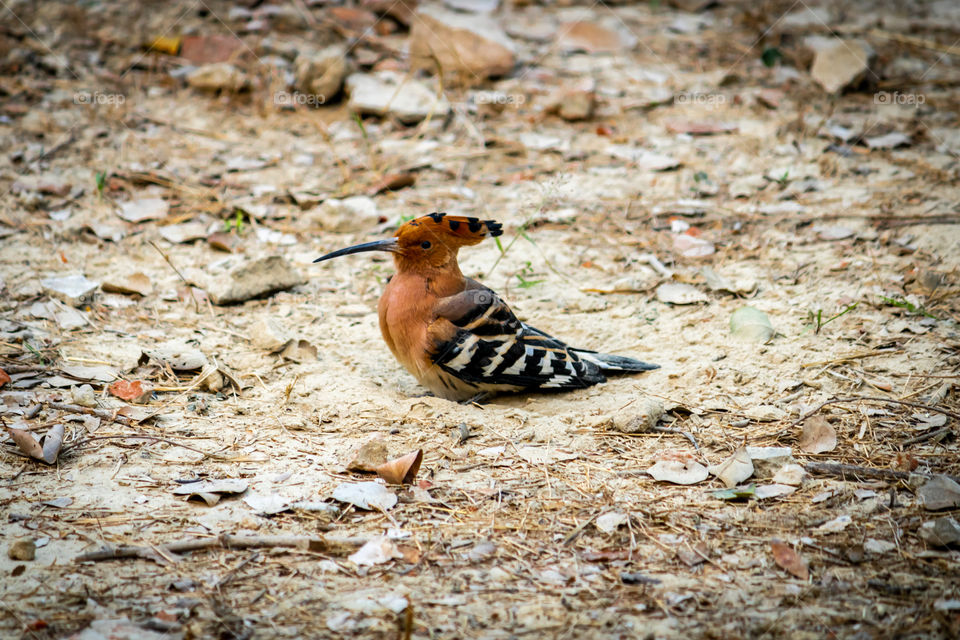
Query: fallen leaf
{"type": "Point", "coordinates": [210, 490]}
{"type": "Point", "coordinates": [836, 525]}
{"type": "Point", "coordinates": [789, 559]}
{"type": "Point", "coordinates": [143, 209]}
{"type": "Point", "coordinates": [403, 470]}
{"type": "Point", "coordinates": [609, 522]}
{"type": "Point", "coordinates": [58, 503]}
{"type": "Point", "coordinates": [817, 436]}
{"type": "Point", "coordinates": [686, 471]}
{"type": "Point", "coordinates": [737, 493]}
{"type": "Point", "coordinates": [735, 469]}
{"type": "Point", "coordinates": [267, 505]}
{"type": "Point", "coordinates": [366, 495]}
{"type": "Point", "coordinates": [680, 293]}
{"type": "Point", "coordinates": [45, 452]}
{"type": "Point", "coordinates": [790, 473]}
{"type": "Point", "coordinates": [299, 351]}
{"type": "Point", "coordinates": [376, 551]}
{"type": "Point", "coordinates": [4, 378]}
{"type": "Point", "coordinates": [544, 455]}
{"type": "Point", "coordinates": [774, 491]}
{"type": "Point", "coordinates": [132, 391]}
{"type": "Point", "coordinates": [751, 324]}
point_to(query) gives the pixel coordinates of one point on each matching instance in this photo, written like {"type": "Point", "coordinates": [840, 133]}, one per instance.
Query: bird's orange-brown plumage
{"type": "Point", "coordinates": [454, 334]}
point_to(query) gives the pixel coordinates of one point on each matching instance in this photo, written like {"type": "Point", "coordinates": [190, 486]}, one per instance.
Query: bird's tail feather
{"type": "Point", "coordinates": [607, 362]}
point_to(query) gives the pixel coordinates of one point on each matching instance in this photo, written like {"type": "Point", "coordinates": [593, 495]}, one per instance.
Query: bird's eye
{"type": "Point", "coordinates": [425, 244]}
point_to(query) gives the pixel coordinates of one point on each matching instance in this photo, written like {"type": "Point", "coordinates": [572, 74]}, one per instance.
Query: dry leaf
{"type": "Point", "coordinates": [734, 469]}
{"type": "Point", "coordinates": [402, 470]}
{"type": "Point", "coordinates": [131, 391]}
{"type": "Point", "coordinates": [376, 551]}
{"type": "Point", "coordinates": [818, 436]}
{"type": "Point", "coordinates": [789, 559]}
{"type": "Point", "coordinates": [28, 444]}
{"type": "Point", "coordinates": [687, 471]}
{"type": "Point", "coordinates": [4, 377]}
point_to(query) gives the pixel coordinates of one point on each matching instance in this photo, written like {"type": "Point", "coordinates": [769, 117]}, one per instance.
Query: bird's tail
{"type": "Point", "coordinates": [607, 362]}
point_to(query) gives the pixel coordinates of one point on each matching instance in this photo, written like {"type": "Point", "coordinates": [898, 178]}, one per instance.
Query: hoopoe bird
{"type": "Point", "coordinates": [456, 336]}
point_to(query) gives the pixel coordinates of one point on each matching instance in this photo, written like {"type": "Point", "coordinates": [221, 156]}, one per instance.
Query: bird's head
{"type": "Point", "coordinates": [431, 240]}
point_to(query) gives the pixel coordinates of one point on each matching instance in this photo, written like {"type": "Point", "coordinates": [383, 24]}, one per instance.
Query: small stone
{"type": "Point", "coordinates": [253, 280]}
{"type": "Point", "coordinates": [839, 64]}
{"type": "Point", "coordinates": [941, 532]}
{"type": "Point", "coordinates": [471, 47]}
{"type": "Point", "coordinates": [75, 290]}
{"type": "Point", "coordinates": [574, 103]}
{"type": "Point", "coordinates": [320, 74]}
{"type": "Point", "coordinates": [137, 283]}
{"type": "Point", "coordinates": [269, 335]}
{"type": "Point", "coordinates": [369, 456]}
{"type": "Point", "coordinates": [24, 549]}
{"type": "Point", "coordinates": [641, 419]}
{"type": "Point", "coordinates": [219, 76]}
{"type": "Point", "coordinates": [83, 396]}
{"type": "Point", "coordinates": [388, 92]}
{"type": "Point", "coordinates": [143, 209]}
{"type": "Point", "coordinates": [940, 492]}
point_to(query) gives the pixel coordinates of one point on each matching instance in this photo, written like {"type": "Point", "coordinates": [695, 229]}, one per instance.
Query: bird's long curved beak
{"type": "Point", "coordinates": [389, 244]}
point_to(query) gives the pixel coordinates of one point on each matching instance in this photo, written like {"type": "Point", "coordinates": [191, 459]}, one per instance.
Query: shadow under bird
{"type": "Point", "coordinates": [456, 336]}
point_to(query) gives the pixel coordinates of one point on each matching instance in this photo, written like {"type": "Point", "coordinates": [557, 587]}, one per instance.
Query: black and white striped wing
{"type": "Point", "coordinates": [491, 347]}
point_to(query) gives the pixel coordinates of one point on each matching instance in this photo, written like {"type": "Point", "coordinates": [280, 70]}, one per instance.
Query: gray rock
{"type": "Point", "coordinates": [471, 47]}
{"type": "Point", "coordinates": [75, 289]}
{"type": "Point", "coordinates": [940, 492]}
{"type": "Point", "coordinates": [219, 76]}
{"type": "Point", "coordinates": [838, 64]}
{"type": "Point", "coordinates": [253, 280]}
{"type": "Point", "coordinates": [320, 74]}
{"type": "Point", "coordinates": [386, 92]}
{"type": "Point", "coordinates": [941, 532]}
{"type": "Point", "coordinates": [24, 549]}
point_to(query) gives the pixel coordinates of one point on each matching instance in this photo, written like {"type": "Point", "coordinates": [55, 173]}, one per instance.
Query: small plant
{"type": "Point", "coordinates": [908, 306]}
{"type": "Point", "coordinates": [784, 179]}
{"type": "Point", "coordinates": [235, 223]}
{"type": "Point", "coordinates": [524, 274]}
{"type": "Point", "coordinates": [770, 56]}
{"type": "Point", "coordinates": [101, 179]}
{"type": "Point", "coordinates": [816, 319]}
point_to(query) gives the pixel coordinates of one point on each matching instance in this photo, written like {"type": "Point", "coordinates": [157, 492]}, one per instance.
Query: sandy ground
{"type": "Point", "coordinates": [500, 536]}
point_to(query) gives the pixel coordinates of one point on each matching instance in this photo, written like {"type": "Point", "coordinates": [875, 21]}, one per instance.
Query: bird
{"type": "Point", "coordinates": [456, 336]}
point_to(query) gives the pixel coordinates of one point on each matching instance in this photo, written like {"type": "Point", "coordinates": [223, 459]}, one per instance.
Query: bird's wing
{"type": "Point", "coordinates": [488, 345]}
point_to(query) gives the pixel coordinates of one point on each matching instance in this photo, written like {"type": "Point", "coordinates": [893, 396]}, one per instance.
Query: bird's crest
{"type": "Point", "coordinates": [463, 230]}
